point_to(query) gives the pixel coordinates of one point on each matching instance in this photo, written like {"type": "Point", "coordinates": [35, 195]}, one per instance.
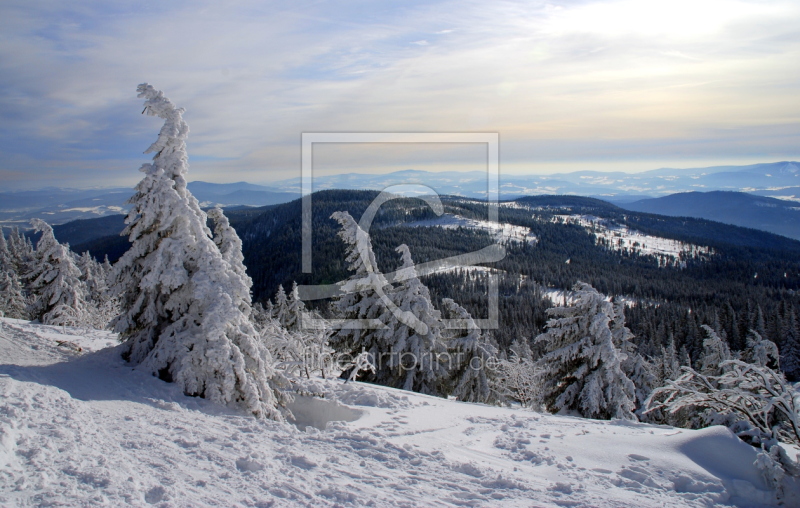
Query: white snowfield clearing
{"type": "Point", "coordinates": [623, 239]}
{"type": "Point", "coordinates": [81, 428]}
{"type": "Point", "coordinates": [502, 232]}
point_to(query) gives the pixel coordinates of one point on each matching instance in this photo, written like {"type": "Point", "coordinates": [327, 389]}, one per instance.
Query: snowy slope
{"type": "Point", "coordinates": [621, 238]}
{"type": "Point", "coordinates": [503, 233]}
{"type": "Point", "coordinates": [81, 428]}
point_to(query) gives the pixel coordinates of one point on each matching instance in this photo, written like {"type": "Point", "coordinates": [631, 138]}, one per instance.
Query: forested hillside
{"type": "Point", "coordinates": [749, 282]}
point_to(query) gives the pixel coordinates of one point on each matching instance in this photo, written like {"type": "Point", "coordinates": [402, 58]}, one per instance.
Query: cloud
{"type": "Point", "coordinates": [561, 82]}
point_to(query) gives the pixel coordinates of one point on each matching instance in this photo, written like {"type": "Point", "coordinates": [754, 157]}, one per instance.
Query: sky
{"type": "Point", "coordinates": [577, 85]}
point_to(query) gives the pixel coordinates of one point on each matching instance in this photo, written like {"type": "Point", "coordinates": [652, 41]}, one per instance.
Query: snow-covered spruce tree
{"type": "Point", "coordinates": [360, 304]}
{"type": "Point", "coordinates": [414, 348]}
{"type": "Point", "coordinates": [293, 318]}
{"type": "Point", "coordinates": [230, 246]}
{"type": "Point", "coordinates": [5, 255]}
{"type": "Point", "coordinates": [581, 370]}
{"type": "Point", "coordinates": [635, 367]}
{"type": "Point", "coordinates": [668, 366]}
{"type": "Point", "coordinates": [760, 351]}
{"type": "Point", "coordinates": [280, 307]}
{"type": "Point", "coordinates": [60, 297]}
{"type": "Point", "coordinates": [715, 352]}
{"type": "Point", "coordinates": [182, 305]}
{"type": "Point", "coordinates": [473, 357]}
{"type": "Point", "coordinates": [397, 326]}
{"type": "Point", "coordinates": [101, 306]}
{"type": "Point", "coordinates": [13, 303]}
{"type": "Point", "coordinates": [21, 252]}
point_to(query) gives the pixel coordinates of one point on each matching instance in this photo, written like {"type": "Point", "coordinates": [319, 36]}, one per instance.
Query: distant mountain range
{"type": "Point", "coordinates": [775, 179]}
{"type": "Point", "coordinates": [769, 180]}
{"type": "Point", "coordinates": [738, 208]}
{"type": "Point", "coordinates": [59, 206]}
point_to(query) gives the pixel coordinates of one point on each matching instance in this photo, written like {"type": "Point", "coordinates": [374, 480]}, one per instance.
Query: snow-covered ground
{"type": "Point", "coordinates": [501, 231]}
{"type": "Point", "coordinates": [81, 428]}
{"type": "Point", "coordinates": [622, 238]}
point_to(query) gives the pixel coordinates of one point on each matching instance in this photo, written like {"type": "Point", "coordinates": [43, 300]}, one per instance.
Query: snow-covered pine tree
{"type": "Point", "coordinates": [182, 313]}
{"type": "Point", "coordinates": [229, 245]}
{"type": "Point", "coordinates": [360, 304]}
{"type": "Point", "coordinates": [581, 370]}
{"type": "Point", "coordinates": [101, 306]}
{"type": "Point", "coordinates": [669, 366]}
{"type": "Point", "coordinates": [293, 319]}
{"type": "Point", "coordinates": [760, 351]}
{"type": "Point", "coordinates": [5, 255]}
{"type": "Point", "coordinates": [474, 358]}
{"type": "Point", "coordinates": [635, 367]}
{"type": "Point", "coordinates": [715, 351]}
{"type": "Point", "coordinates": [414, 346]}
{"type": "Point", "coordinates": [59, 293]}
{"type": "Point", "coordinates": [281, 305]}
{"type": "Point", "coordinates": [13, 304]}
{"type": "Point", "coordinates": [21, 252]}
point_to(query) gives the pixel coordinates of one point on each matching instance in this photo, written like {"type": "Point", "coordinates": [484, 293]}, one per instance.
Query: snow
{"type": "Point", "coordinates": [622, 238]}
{"type": "Point", "coordinates": [502, 232]}
{"type": "Point", "coordinates": [82, 428]}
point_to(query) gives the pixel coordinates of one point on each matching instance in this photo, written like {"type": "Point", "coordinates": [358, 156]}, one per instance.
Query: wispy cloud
{"type": "Point", "coordinates": [565, 83]}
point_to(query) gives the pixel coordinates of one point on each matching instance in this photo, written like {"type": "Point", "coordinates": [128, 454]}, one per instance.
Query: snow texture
{"type": "Point", "coordinates": [83, 429]}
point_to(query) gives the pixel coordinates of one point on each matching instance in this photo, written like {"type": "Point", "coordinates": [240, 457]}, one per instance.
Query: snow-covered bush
{"type": "Point", "coordinates": [184, 307]}
{"type": "Point", "coordinates": [757, 395]}
{"type": "Point", "coordinates": [516, 378]}
{"type": "Point", "coordinates": [755, 401]}
{"type": "Point", "coordinates": [581, 369]}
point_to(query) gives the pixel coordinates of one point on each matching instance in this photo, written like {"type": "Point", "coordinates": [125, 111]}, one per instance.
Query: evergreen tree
{"type": "Point", "coordinates": [670, 367]}
{"type": "Point", "coordinates": [13, 303]}
{"type": "Point", "coordinates": [229, 245]}
{"type": "Point", "coordinates": [281, 307]}
{"type": "Point", "coordinates": [761, 352]}
{"type": "Point", "coordinates": [5, 255]}
{"type": "Point", "coordinates": [361, 307]}
{"type": "Point", "coordinates": [715, 351]}
{"type": "Point", "coordinates": [59, 292]}
{"type": "Point", "coordinates": [101, 306]}
{"type": "Point", "coordinates": [183, 313]}
{"type": "Point", "coordinates": [581, 369]}
{"type": "Point", "coordinates": [474, 358]}
{"type": "Point", "coordinates": [21, 253]}
{"type": "Point", "coordinates": [635, 367]}
{"type": "Point", "coordinates": [294, 310]}
{"type": "Point", "coordinates": [414, 337]}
